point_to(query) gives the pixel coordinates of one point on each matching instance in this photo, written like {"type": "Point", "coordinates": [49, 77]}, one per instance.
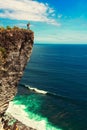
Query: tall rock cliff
{"type": "Point", "coordinates": [15, 50]}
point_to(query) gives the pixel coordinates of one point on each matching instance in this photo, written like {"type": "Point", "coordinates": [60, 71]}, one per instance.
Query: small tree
{"type": "Point", "coordinates": [15, 27]}
{"type": "Point", "coordinates": [2, 28]}
{"type": "Point", "coordinates": [8, 27]}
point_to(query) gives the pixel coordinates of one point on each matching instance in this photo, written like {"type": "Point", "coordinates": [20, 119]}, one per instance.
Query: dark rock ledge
{"type": "Point", "coordinates": [10, 123]}
{"type": "Point", "coordinates": [15, 50]}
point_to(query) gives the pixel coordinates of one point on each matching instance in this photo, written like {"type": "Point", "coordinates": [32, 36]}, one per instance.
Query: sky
{"type": "Point", "coordinates": [53, 21]}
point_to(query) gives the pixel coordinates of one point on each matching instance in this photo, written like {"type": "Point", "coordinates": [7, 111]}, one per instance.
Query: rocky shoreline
{"type": "Point", "coordinates": [9, 123]}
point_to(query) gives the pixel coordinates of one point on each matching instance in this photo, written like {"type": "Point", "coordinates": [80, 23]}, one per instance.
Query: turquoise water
{"type": "Point", "coordinates": [33, 105]}
{"type": "Point", "coordinates": [56, 92]}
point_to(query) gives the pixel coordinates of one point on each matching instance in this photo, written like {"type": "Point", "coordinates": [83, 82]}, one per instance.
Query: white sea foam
{"type": "Point", "coordinates": [37, 90]}
{"type": "Point", "coordinates": [18, 112]}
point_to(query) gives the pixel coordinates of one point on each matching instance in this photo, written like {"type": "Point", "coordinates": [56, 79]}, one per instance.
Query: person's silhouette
{"type": "Point", "coordinates": [28, 26]}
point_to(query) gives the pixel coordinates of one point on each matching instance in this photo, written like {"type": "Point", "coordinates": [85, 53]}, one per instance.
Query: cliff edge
{"type": "Point", "coordinates": [15, 50]}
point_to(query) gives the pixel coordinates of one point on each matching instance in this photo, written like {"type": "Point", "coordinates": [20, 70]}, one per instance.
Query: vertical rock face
{"type": "Point", "coordinates": [15, 50]}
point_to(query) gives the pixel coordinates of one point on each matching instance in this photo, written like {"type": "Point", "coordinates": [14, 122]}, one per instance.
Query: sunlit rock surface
{"type": "Point", "coordinates": [15, 50]}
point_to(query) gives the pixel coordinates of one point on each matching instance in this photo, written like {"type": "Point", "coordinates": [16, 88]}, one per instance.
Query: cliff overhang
{"type": "Point", "coordinates": [15, 50]}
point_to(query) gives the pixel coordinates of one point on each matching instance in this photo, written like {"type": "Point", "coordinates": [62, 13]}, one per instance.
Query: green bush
{"type": "Point", "coordinates": [3, 51]}
{"type": "Point", "coordinates": [2, 28]}
{"type": "Point", "coordinates": [8, 27]}
{"type": "Point", "coordinates": [15, 27]}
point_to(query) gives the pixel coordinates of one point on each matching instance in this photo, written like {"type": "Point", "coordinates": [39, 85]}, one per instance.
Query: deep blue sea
{"type": "Point", "coordinates": [54, 86]}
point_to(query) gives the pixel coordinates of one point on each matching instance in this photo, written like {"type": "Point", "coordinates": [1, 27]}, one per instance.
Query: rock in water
{"type": "Point", "coordinates": [15, 50]}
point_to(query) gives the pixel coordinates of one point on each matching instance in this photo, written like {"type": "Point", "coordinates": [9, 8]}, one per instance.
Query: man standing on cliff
{"type": "Point", "coordinates": [28, 26]}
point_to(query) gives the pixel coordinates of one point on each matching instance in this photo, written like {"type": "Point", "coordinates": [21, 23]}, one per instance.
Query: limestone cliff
{"type": "Point", "coordinates": [15, 50]}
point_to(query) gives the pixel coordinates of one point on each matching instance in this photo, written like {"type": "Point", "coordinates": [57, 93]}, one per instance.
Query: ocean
{"type": "Point", "coordinates": [52, 94]}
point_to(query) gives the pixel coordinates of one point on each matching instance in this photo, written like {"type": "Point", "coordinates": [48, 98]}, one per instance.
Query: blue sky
{"type": "Point", "coordinates": [53, 21]}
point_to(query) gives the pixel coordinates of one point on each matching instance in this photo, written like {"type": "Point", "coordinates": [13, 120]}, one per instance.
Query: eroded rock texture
{"type": "Point", "coordinates": [15, 50]}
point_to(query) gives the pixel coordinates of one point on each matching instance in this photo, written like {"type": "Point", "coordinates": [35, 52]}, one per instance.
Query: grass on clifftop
{"type": "Point", "coordinates": [11, 28]}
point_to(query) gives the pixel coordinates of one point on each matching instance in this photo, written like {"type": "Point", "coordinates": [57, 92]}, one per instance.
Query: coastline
{"type": "Point", "coordinates": [11, 123]}
{"type": "Point", "coordinates": [18, 113]}
{"type": "Point", "coordinates": [24, 121]}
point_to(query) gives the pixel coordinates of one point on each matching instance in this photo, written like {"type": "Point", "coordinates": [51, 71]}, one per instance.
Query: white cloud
{"type": "Point", "coordinates": [64, 36]}
{"type": "Point", "coordinates": [27, 10]}
{"type": "Point", "coordinates": [60, 16]}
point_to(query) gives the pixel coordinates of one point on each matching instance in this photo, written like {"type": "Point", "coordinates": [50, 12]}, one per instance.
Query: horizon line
{"type": "Point", "coordinates": [62, 43]}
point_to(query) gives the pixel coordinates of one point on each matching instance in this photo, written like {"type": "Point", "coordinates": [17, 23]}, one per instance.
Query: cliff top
{"type": "Point", "coordinates": [14, 32]}
{"type": "Point", "coordinates": [12, 28]}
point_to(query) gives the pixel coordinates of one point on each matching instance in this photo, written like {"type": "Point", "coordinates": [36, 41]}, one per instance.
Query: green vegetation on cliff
{"type": "Point", "coordinates": [10, 28]}
{"type": "Point", "coordinates": [3, 51]}
{"type": "Point", "coordinates": [2, 55]}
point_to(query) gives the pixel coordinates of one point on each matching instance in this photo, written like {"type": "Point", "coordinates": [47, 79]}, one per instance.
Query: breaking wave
{"type": "Point", "coordinates": [36, 90]}
{"type": "Point", "coordinates": [65, 98]}
{"type": "Point", "coordinates": [30, 119]}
